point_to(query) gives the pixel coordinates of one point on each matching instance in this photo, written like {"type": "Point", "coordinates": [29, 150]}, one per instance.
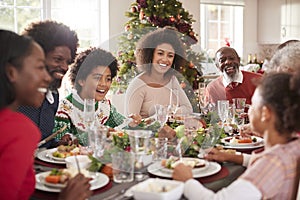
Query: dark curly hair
{"type": "Point", "coordinates": [50, 34]}
{"type": "Point", "coordinates": [281, 92]}
{"type": "Point", "coordinates": [89, 59]}
{"type": "Point", "coordinates": [13, 50]}
{"type": "Point", "coordinates": [147, 44]}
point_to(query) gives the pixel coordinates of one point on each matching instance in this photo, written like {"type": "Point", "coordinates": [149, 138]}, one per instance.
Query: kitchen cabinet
{"type": "Point", "coordinates": [278, 21]}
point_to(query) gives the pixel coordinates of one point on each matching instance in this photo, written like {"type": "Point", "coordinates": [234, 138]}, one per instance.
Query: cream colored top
{"type": "Point", "coordinates": [141, 98]}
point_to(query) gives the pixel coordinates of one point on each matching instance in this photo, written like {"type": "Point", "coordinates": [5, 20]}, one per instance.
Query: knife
{"type": "Point", "coordinates": [47, 139]}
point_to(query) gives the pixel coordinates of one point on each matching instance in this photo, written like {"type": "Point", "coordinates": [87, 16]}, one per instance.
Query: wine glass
{"type": "Point", "coordinates": [161, 114]}
{"type": "Point", "coordinates": [173, 102]}
{"type": "Point", "coordinates": [211, 138]}
{"type": "Point", "coordinates": [223, 109]}
{"type": "Point", "coordinates": [89, 119]}
{"type": "Point", "coordinates": [239, 111]}
{"type": "Point", "coordinates": [89, 111]}
{"type": "Point", "coordinates": [202, 97]}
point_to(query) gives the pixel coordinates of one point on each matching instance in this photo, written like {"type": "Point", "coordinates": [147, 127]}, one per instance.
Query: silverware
{"type": "Point", "coordinates": [77, 164]}
{"type": "Point", "coordinates": [47, 139]}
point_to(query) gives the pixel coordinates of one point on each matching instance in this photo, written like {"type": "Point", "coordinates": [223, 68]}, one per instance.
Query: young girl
{"type": "Point", "coordinates": [91, 75]}
{"type": "Point", "coordinates": [273, 173]}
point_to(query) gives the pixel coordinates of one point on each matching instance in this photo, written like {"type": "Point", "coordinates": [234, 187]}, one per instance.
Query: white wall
{"type": "Point", "coordinates": [250, 28]}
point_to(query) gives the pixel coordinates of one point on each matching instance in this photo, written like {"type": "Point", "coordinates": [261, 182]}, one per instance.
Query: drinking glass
{"type": "Point", "coordinates": [210, 139]}
{"type": "Point", "coordinates": [239, 105]}
{"type": "Point", "coordinates": [89, 111]}
{"type": "Point", "coordinates": [123, 166]}
{"type": "Point", "coordinates": [139, 140]}
{"type": "Point", "coordinates": [98, 140]}
{"type": "Point", "coordinates": [158, 146]}
{"type": "Point", "coordinates": [161, 114]}
{"type": "Point", "coordinates": [202, 97]}
{"type": "Point", "coordinates": [139, 146]}
{"type": "Point", "coordinates": [223, 109]}
{"type": "Point", "coordinates": [89, 119]}
{"type": "Point", "coordinates": [174, 102]}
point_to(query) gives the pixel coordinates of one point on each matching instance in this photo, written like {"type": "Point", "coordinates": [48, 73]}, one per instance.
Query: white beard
{"type": "Point", "coordinates": [233, 78]}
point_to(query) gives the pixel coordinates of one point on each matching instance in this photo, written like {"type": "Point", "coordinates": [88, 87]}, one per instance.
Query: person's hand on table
{"type": "Point", "coordinates": [182, 172]}
{"type": "Point", "coordinates": [137, 119]}
{"type": "Point", "coordinates": [78, 188]}
{"type": "Point", "coordinates": [216, 155]}
{"type": "Point", "coordinates": [222, 156]}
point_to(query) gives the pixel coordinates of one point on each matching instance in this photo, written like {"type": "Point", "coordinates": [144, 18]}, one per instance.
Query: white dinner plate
{"type": "Point", "coordinates": [47, 156]}
{"type": "Point", "coordinates": [195, 170]}
{"type": "Point", "coordinates": [253, 145]}
{"type": "Point", "coordinates": [212, 168]}
{"type": "Point", "coordinates": [99, 181]}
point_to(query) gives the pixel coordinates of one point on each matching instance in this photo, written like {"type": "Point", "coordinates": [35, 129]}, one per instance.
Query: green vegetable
{"type": "Point", "coordinates": [95, 165]}
{"type": "Point", "coordinates": [179, 131]}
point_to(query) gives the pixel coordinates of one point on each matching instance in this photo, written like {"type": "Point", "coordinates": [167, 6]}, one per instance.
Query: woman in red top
{"type": "Point", "coordinates": [23, 81]}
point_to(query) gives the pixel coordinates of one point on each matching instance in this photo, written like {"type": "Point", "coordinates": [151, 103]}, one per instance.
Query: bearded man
{"type": "Point", "coordinates": [233, 83]}
{"type": "Point", "coordinates": [60, 44]}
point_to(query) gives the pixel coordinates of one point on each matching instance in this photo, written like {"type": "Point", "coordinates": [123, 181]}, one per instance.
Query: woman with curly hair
{"type": "Point", "coordinates": [91, 75]}
{"type": "Point", "coordinates": [59, 43]}
{"type": "Point", "coordinates": [274, 172]}
{"type": "Point", "coordinates": [158, 54]}
{"type": "Point", "coordinates": [24, 81]}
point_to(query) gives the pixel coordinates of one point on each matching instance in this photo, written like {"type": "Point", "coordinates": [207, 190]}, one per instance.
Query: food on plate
{"type": "Point", "coordinates": [69, 150]}
{"type": "Point", "coordinates": [62, 176]}
{"type": "Point", "coordinates": [240, 140]}
{"type": "Point", "coordinates": [58, 176]}
{"type": "Point", "coordinates": [230, 151]}
{"type": "Point", "coordinates": [166, 131]}
{"type": "Point", "coordinates": [173, 161]}
{"type": "Point", "coordinates": [107, 169]}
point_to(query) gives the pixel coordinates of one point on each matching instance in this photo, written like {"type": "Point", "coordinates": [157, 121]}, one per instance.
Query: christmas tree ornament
{"type": "Point", "coordinates": [127, 27]}
{"type": "Point", "coordinates": [172, 19]}
{"type": "Point", "coordinates": [134, 9]}
{"type": "Point", "coordinates": [142, 14]}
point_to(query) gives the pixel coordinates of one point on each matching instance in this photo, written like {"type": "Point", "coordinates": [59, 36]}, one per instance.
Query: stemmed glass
{"type": "Point", "coordinates": [223, 109]}
{"type": "Point", "coordinates": [202, 97]}
{"type": "Point", "coordinates": [211, 137]}
{"type": "Point", "coordinates": [161, 114]}
{"type": "Point", "coordinates": [89, 111]}
{"type": "Point", "coordinates": [89, 118]}
{"type": "Point", "coordinates": [239, 111]}
{"type": "Point", "coordinates": [174, 101]}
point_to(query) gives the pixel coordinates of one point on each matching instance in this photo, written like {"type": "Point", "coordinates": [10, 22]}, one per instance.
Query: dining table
{"type": "Point", "coordinates": [228, 173]}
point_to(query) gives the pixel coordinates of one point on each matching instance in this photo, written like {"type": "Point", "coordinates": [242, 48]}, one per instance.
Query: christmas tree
{"type": "Point", "coordinates": [146, 15]}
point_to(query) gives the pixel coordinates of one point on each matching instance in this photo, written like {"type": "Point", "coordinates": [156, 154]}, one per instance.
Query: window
{"type": "Point", "coordinates": [221, 24]}
{"type": "Point", "coordinates": [82, 16]}
{"type": "Point", "coordinates": [16, 15]}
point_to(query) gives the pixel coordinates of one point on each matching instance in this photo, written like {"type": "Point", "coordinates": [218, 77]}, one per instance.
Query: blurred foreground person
{"type": "Point", "coordinates": [273, 173]}
{"type": "Point", "coordinates": [24, 81]}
